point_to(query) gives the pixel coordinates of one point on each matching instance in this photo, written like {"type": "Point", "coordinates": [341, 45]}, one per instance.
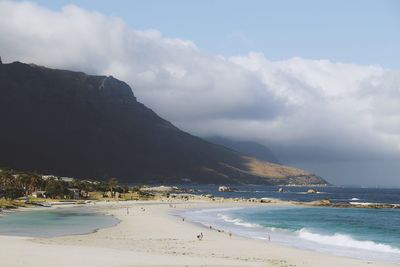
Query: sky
{"type": "Point", "coordinates": [316, 81]}
{"type": "Point", "coordinates": [358, 31]}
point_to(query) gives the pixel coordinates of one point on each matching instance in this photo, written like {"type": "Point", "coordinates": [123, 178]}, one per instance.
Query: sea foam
{"type": "Point", "coordinates": [236, 221]}
{"type": "Point", "coordinates": [343, 240]}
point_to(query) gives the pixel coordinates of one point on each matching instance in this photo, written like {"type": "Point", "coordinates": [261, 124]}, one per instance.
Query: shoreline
{"type": "Point", "coordinates": [157, 237]}
{"type": "Point", "coordinates": [229, 219]}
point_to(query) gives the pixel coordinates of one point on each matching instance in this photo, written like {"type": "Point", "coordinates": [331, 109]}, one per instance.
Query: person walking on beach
{"type": "Point", "coordinates": [127, 211]}
{"type": "Point", "coordinates": [230, 235]}
{"type": "Point", "coordinates": [269, 237]}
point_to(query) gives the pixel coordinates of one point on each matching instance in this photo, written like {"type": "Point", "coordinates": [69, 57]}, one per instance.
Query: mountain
{"type": "Point", "coordinates": [73, 124]}
{"type": "Point", "coordinates": [251, 149]}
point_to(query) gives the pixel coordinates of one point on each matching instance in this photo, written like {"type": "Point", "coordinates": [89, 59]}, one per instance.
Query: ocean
{"type": "Point", "coordinates": [298, 193]}
{"type": "Point", "coordinates": [369, 234]}
{"type": "Point", "coordinates": [54, 222]}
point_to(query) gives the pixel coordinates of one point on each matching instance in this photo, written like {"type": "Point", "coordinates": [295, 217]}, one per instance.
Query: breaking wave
{"type": "Point", "coordinates": [238, 222]}
{"type": "Point", "coordinates": [345, 241]}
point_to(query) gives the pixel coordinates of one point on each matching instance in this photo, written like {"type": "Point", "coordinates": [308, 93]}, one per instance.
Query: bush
{"type": "Point", "coordinates": [56, 188]}
{"type": "Point", "coordinates": [13, 193]}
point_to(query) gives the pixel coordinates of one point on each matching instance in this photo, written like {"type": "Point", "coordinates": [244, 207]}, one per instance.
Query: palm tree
{"type": "Point", "coordinates": [112, 184]}
{"type": "Point", "coordinates": [6, 179]}
{"type": "Point", "coordinates": [35, 183]}
{"type": "Point", "coordinates": [24, 180]}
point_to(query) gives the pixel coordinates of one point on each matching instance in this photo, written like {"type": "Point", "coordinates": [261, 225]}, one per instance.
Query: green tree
{"type": "Point", "coordinates": [13, 193]}
{"type": "Point", "coordinates": [35, 183]}
{"type": "Point", "coordinates": [11, 183]}
{"type": "Point", "coordinates": [56, 188]}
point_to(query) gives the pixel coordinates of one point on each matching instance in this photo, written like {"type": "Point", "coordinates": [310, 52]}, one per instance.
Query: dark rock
{"type": "Point", "coordinates": [312, 191]}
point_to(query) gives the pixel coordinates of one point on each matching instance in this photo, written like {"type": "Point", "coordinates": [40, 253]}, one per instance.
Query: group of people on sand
{"type": "Point", "coordinates": [200, 236]}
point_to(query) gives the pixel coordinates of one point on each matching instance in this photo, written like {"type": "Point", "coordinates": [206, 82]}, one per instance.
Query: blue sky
{"type": "Point", "coordinates": [362, 32]}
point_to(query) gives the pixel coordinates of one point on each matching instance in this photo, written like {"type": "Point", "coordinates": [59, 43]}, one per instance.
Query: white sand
{"type": "Point", "coordinates": [156, 238]}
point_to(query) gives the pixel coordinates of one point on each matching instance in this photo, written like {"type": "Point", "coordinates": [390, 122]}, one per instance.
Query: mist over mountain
{"type": "Point", "coordinates": [73, 124]}
{"type": "Point", "coordinates": [252, 149]}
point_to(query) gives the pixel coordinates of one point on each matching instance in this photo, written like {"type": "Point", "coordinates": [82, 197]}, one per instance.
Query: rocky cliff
{"type": "Point", "coordinates": [73, 124]}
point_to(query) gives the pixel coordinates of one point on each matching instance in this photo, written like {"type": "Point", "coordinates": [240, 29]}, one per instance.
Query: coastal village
{"type": "Point", "coordinates": [29, 189]}
{"type": "Point", "coordinates": [20, 188]}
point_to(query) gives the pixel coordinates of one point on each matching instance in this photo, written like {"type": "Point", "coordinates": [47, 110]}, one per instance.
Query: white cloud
{"type": "Point", "coordinates": [335, 107]}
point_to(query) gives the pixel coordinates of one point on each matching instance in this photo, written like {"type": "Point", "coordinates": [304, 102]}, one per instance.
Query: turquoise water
{"type": "Point", "coordinates": [54, 222]}
{"type": "Point", "coordinates": [371, 234]}
{"type": "Point", "coordinates": [380, 225]}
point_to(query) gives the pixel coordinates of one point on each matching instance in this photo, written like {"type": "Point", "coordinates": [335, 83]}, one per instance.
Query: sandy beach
{"type": "Point", "coordinates": [151, 235]}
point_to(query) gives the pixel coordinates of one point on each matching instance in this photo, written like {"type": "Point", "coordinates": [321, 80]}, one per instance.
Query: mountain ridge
{"type": "Point", "coordinates": [74, 124]}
